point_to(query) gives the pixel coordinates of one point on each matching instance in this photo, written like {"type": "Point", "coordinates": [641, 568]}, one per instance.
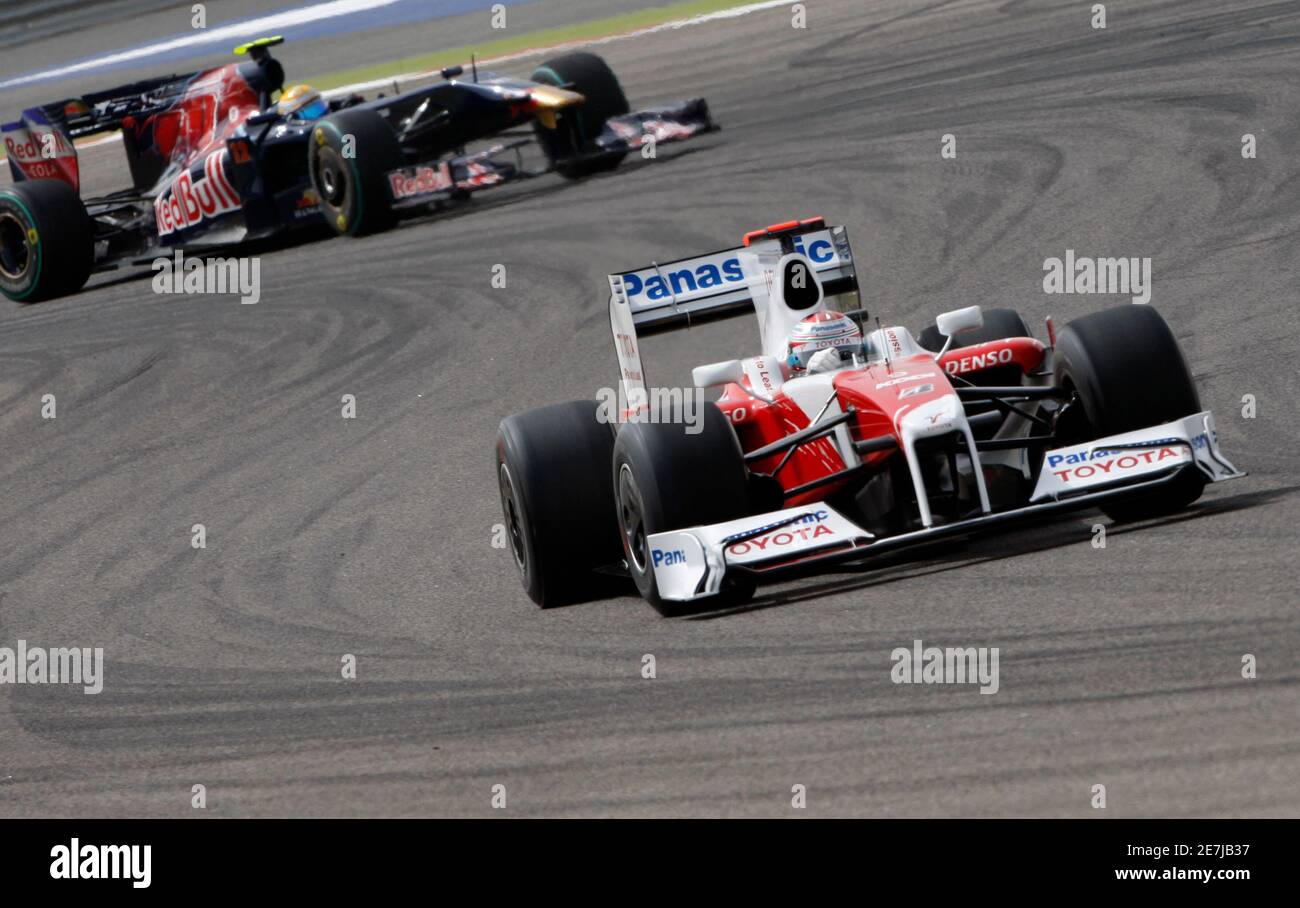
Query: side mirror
{"type": "Point", "coordinates": [953, 323]}
{"type": "Point", "coordinates": [715, 375]}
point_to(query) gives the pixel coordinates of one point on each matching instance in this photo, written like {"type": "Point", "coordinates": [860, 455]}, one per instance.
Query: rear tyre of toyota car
{"type": "Point", "coordinates": [553, 474]}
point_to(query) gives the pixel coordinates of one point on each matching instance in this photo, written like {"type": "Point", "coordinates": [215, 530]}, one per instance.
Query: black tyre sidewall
{"type": "Point", "coordinates": [1129, 373]}
{"type": "Point", "coordinates": [590, 76]}
{"type": "Point", "coordinates": [558, 458]}
{"type": "Point", "coordinates": [1127, 367]}
{"type": "Point", "coordinates": [366, 207]}
{"type": "Point", "coordinates": [65, 246]}
{"type": "Point", "coordinates": [682, 480]}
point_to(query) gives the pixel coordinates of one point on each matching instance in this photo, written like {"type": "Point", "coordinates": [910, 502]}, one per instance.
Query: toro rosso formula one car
{"type": "Point", "coordinates": [214, 162]}
{"type": "Point", "coordinates": [839, 442]}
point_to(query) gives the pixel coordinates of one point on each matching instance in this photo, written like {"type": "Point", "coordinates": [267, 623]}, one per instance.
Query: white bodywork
{"type": "Point", "coordinates": [1134, 455]}
{"type": "Point", "coordinates": [691, 564]}
{"type": "Point", "coordinates": [938, 417]}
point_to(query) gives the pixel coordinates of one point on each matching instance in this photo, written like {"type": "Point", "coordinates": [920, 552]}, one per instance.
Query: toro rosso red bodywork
{"type": "Point", "coordinates": [213, 162]}
{"type": "Point", "coordinates": [197, 131]}
{"type": "Point", "coordinates": [177, 132]}
{"type": "Point", "coordinates": [901, 444]}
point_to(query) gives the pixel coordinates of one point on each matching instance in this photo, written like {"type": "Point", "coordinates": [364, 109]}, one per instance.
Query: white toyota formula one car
{"type": "Point", "coordinates": [839, 441]}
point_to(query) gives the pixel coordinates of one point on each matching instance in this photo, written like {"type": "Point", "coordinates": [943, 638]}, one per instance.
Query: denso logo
{"type": "Point", "coordinates": [665, 558]}
{"type": "Point", "coordinates": [1104, 463]}
{"type": "Point", "coordinates": [711, 272]}
{"type": "Point", "coordinates": [188, 201]}
{"type": "Point", "coordinates": [978, 361]}
{"type": "Point", "coordinates": [426, 179]}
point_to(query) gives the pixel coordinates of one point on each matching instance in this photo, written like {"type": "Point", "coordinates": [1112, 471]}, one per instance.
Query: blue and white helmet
{"type": "Point", "coordinates": [823, 331]}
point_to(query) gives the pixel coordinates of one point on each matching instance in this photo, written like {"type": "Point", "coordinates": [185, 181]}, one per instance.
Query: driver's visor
{"type": "Point", "coordinates": [313, 111]}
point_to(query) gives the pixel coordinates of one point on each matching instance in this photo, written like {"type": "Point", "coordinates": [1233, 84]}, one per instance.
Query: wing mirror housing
{"type": "Point", "coordinates": [954, 322]}
{"type": "Point", "coordinates": [715, 375]}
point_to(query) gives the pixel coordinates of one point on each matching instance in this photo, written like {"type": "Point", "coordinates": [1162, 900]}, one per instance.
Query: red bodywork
{"type": "Point", "coordinates": [42, 152]}
{"type": "Point", "coordinates": [880, 393]}
{"type": "Point", "coordinates": [210, 108]}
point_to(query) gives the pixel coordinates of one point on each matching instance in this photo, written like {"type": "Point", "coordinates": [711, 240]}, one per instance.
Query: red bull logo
{"type": "Point", "coordinates": [41, 152]}
{"type": "Point", "coordinates": [189, 201]}
{"type": "Point", "coordinates": [39, 143]}
{"type": "Point", "coordinates": [426, 179]}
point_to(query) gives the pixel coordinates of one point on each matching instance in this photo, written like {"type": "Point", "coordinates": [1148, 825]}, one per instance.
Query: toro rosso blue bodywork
{"type": "Point", "coordinates": [213, 162]}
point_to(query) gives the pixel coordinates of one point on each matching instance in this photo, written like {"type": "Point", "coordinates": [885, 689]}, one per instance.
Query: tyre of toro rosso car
{"type": "Point", "coordinates": [1129, 373]}
{"type": "Point", "coordinates": [577, 127]}
{"type": "Point", "coordinates": [553, 472]}
{"type": "Point", "coordinates": [47, 241]}
{"type": "Point", "coordinates": [999, 324]}
{"type": "Point", "coordinates": [666, 478]}
{"type": "Point", "coordinates": [349, 157]}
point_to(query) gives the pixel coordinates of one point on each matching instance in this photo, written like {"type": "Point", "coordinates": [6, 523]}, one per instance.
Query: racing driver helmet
{"type": "Point", "coordinates": [301, 102]}
{"type": "Point", "coordinates": [822, 331]}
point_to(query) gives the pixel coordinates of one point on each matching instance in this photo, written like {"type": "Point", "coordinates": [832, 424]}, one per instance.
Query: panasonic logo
{"type": "Point", "coordinates": [666, 557]}
{"type": "Point", "coordinates": [711, 272]}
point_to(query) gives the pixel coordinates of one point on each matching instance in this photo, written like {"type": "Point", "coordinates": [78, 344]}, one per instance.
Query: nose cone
{"type": "Point", "coordinates": [548, 96]}
{"type": "Point", "coordinates": [935, 417]}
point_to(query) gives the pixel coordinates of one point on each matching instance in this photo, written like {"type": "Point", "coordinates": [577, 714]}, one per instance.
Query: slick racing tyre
{"type": "Point", "coordinates": [999, 324]}
{"type": "Point", "coordinates": [577, 127]}
{"type": "Point", "coordinates": [668, 479]}
{"type": "Point", "coordinates": [1128, 372]}
{"type": "Point", "coordinates": [348, 158]}
{"type": "Point", "coordinates": [553, 473]}
{"type": "Point", "coordinates": [47, 241]}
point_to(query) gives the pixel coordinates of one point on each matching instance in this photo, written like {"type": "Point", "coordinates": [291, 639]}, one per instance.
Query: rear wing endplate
{"type": "Point", "coordinates": [39, 144]}
{"type": "Point", "coordinates": [39, 147]}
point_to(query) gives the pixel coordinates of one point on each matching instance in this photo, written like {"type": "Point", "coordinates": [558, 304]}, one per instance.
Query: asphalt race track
{"type": "Point", "coordinates": [1119, 666]}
